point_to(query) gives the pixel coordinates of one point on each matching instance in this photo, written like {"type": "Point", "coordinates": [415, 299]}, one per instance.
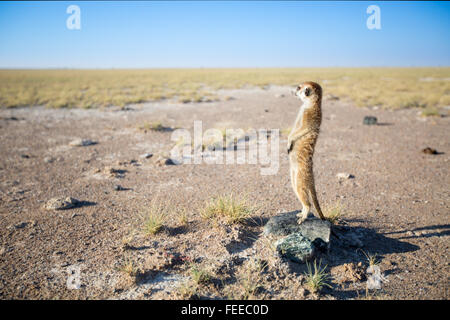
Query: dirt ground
{"type": "Point", "coordinates": [398, 201]}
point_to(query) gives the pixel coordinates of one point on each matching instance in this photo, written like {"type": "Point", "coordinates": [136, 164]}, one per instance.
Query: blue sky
{"type": "Point", "coordinates": [223, 34]}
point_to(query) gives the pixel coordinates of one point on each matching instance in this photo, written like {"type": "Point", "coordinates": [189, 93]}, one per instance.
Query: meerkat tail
{"type": "Point", "coordinates": [316, 203]}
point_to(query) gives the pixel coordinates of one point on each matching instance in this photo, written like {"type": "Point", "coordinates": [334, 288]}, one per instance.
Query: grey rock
{"type": "Point", "coordinates": [369, 120]}
{"type": "Point", "coordinates": [61, 203]}
{"type": "Point", "coordinates": [49, 159]}
{"type": "Point", "coordinates": [146, 155]}
{"type": "Point", "coordinates": [21, 225]}
{"type": "Point", "coordinates": [286, 224]}
{"type": "Point", "coordinates": [81, 143]}
{"type": "Point", "coordinates": [299, 242]}
{"type": "Point", "coordinates": [162, 161]}
{"type": "Point", "coordinates": [296, 247]}
{"type": "Point", "coordinates": [353, 240]}
{"type": "Point", "coordinates": [351, 237]}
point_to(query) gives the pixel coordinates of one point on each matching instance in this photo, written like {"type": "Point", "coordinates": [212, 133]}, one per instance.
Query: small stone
{"type": "Point", "coordinates": [61, 203]}
{"type": "Point", "coordinates": [344, 176]}
{"type": "Point", "coordinates": [113, 172]}
{"type": "Point", "coordinates": [49, 159]}
{"type": "Point", "coordinates": [25, 156]}
{"type": "Point", "coordinates": [429, 150]}
{"type": "Point", "coordinates": [353, 240]}
{"type": "Point", "coordinates": [146, 155]}
{"type": "Point", "coordinates": [161, 161]}
{"type": "Point", "coordinates": [81, 143]}
{"type": "Point", "coordinates": [331, 97]}
{"type": "Point", "coordinates": [369, 120]}
{"type": "Point", "coordinates": [279, 95]}
{"type": "Point", "coordinates": [21, 225]}
{"type": "Point", "coordinates": [118, 188]}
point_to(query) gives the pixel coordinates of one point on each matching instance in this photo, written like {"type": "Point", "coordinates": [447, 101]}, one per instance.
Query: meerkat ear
{"type": "Point", "coordinates": [307, 92]}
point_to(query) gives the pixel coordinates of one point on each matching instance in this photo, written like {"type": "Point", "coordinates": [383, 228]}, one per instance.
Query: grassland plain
{"type": "Point", "coordinates": [388, 88]}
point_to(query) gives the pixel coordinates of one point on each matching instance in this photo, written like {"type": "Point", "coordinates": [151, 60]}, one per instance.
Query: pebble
{"type": "Point", "coordinates": [370, 120]}
{"type": "Point", "coordinates": [344, 175]}
{"type": "Point", "coordinates": [165, 161]}
{"type": "Point", "coordinates": [49, 159]}
{"type": "Point", "coordinates": [146, 155]}
{"type": "Point", "coordinates": [81, 143]}
{"type": "Point", "coordinates": [118, 187]}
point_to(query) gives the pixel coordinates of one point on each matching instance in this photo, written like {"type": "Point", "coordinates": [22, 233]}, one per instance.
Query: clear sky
{"type": "Point", "coordinates": [223, 34]}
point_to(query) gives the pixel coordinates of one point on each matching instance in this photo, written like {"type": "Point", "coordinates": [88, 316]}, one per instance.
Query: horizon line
{"type": "Point", "coordinates": [196, 68]}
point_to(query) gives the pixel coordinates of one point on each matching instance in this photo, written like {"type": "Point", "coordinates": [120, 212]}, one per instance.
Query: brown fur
{"type": "Point", "coordinates": [301, 143]}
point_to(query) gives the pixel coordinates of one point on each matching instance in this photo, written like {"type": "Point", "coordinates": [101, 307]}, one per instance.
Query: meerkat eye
{"type": "Point", "coordinates": [307, 92]}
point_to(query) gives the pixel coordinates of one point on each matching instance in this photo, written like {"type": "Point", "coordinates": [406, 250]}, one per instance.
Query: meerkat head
{"type": "Point", "coordinates": [308, 92]}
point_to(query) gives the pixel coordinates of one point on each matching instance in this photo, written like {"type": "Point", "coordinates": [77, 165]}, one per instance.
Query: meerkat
{"type": "Point", "coordinates": [301, 143]}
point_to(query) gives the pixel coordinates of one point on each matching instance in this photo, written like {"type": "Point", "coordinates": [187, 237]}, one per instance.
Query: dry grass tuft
{"type": "Point", "coordinates": [153, 126]}
{"type": "Point", "coordinates": [129, 267]}
{"type": "Point", "coordinates": [318, 278]}
{"type": "Point", "coordinates": [154, 219]}
{"type": "Point", "coordinates": [199, 275]}
{"type": "Point", "coordinates": [430, 112]}
{"type": "Point", "coordinates": [249, 282]}
{"type": "Point", "coordinates": [372, 259]}
{"type": "Point", "coordinates": [334, 213]}
{"type": "Point", "coordinates": [229, 208]}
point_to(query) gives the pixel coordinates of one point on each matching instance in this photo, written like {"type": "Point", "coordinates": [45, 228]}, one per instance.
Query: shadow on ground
{"type": "Point", "coordinates": [444, 230]}
{"type": "Point", "coordinates": [348, 244]}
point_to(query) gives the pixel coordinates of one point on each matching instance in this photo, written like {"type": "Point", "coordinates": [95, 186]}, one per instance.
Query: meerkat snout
{"type": "Point", "coordinates": [308, 91]}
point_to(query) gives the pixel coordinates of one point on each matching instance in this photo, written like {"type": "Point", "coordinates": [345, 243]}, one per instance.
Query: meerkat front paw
{"type": "Point", "coordinates": [301, 217]}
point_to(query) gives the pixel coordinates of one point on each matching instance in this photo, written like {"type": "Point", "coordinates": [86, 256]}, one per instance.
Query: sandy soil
{"type": "Point", "coordinates": [398, 201]}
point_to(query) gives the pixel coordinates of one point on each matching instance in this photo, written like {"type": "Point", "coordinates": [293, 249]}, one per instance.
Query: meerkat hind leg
{"type": "Point", "coordinates": [303, 197]}
{"type": "Point", "coordinates": [303, 214]}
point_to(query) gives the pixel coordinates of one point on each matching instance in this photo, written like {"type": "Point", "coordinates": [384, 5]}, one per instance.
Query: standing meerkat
{"type": "Point", "coordinates": [301, 143]}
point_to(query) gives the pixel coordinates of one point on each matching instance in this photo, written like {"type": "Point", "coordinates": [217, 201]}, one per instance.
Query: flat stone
{"type": "Point", "coordinates": [81, 143]}
{"type": "Point", "coordinates": [299, 242]}
{"type": "Point", "coordinates": [286, 224]}
{"type": "Point", "coordinates": [61, 203]}
{"type": "Point", "coordinates": [162, 161]}
{"type": "Point", "coordinates": [146, 155]}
